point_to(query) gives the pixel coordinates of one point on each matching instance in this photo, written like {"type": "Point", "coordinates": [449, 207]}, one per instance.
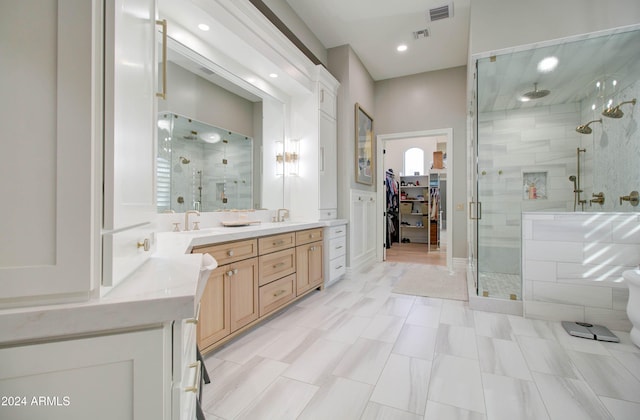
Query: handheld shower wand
{"type": "Point", "coordinates": [572, 178]}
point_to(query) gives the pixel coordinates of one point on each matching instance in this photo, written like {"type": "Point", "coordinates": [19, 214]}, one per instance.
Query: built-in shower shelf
{"type": "Point", "coordinates": [534, 185]}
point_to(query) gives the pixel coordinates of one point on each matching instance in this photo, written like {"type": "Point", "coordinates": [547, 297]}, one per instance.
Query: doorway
{"type": "Point", "coordinates": [440, 252]}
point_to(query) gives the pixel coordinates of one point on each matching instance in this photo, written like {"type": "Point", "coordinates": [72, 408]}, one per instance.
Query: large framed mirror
{"type": "Point", "coordinates": [203, 167]}
{"type": "Point", "coordinates": [214, 132]}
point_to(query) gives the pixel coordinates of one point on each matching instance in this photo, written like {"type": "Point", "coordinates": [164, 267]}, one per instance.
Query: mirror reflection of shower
{"type": "Point", "coordinates": [577, 191]}
{"type": "Point", "coordinates": [196, 190]}
{"type": "Point", "coordinates": [585, 129]}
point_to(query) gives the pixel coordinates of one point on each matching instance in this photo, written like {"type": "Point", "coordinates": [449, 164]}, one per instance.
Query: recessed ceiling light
{"type": "Point", "coordinates": [273, 75]}
{"type": "Point", "coordinates": [401, 48]}
{"type": "Point", "coordinates": [203, 27]}
{"type": "Point", "coordinates": [548, 64]}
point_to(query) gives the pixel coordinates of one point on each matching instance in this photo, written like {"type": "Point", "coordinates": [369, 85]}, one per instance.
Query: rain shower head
{"type": "Point", "coordinates": [585, 129]}
{"type": "Point", "coordinates": [184, 160]}
{"type": "Point", "coordinates": [616, 112]}
{"type": "Point", "coordinates": [535, 93]}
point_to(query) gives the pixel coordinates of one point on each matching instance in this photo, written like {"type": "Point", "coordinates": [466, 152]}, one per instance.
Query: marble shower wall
{"type": "Point", "coordinates": [613, 151]}
{"type": "Point", "coordinates": [572, 266]}
{"type": "Point", "coordinates": [513, 145]}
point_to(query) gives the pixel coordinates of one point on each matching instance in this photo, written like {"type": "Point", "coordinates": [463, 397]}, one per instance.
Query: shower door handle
{"type": "Point", "coordinates": [478, 210]}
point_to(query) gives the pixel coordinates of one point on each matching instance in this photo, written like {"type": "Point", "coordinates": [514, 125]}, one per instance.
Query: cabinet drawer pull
{"type": "Point", "coordinates": [339, 267]}
{"type": "Point", "coordinates": [338, 231]}
{"type": "Point", "coordinates": [280, 242]}
{"type": "Point", "coordinates": [279, 292]}
{"type": "Point", "coordinates": [230, 252]}
{"type": "Point", "coordinates": [194, 388]}
{"type": "Point", "coordinates": [339, 246]}
{"type": "Point", "coordinates": [278, 265]}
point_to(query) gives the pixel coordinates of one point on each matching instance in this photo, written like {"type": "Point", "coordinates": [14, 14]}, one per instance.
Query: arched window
{"type": "Point", "coordinates": [414, 161]}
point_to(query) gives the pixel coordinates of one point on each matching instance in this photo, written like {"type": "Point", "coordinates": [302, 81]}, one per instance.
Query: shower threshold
{"type": "Point", "coordinates": [589, 331]}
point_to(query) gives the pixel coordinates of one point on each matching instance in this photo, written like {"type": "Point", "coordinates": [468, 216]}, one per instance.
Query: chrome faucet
{"type": "Point", "coordinates": [186, 217]}
{"type": "Point", "coordinates": [285, 214]}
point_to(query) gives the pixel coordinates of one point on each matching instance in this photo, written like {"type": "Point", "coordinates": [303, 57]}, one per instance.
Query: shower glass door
{"type": "Point", "coordinates": [499, 197]}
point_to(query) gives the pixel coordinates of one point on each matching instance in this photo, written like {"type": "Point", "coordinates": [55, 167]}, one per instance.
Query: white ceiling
{"type": "Point", "coordinates": [374, 28]}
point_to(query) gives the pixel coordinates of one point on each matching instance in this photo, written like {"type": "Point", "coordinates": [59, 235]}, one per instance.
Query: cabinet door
{"type": "Point", "coordinates": [309, 271]}
{"type": "Point", "coordinates": [118, 376]}
{"type": "Point", "coordinates": [130, 113]}
{"type": "Point", "coordinates": [328, 163]}
{"type": "Point", "coordinates": [215, 315]}
{"type": "Point", "coordinates": [50, 101]}
{"type": "Point", "coordinates": [243, 284]}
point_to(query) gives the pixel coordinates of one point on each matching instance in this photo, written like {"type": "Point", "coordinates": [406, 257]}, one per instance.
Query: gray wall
{"type": "Point", "coordinates": [356, 86]}
{"type": "Point", "coordinates": [429, 101]}
{"type": "Point", "coordinates": [287, 15]}
{"type": "Point", "coordinates": [197, 98]}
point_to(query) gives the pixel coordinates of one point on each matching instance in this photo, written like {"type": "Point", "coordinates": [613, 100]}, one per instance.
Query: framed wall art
{"type": "Point", "coordinates": [364, 147]}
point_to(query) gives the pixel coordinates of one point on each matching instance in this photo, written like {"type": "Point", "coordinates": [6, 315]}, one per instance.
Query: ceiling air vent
{"type": "Point", "coordinates": [422, 33]}
{"type": "Point", "coordinates": [442, 12]}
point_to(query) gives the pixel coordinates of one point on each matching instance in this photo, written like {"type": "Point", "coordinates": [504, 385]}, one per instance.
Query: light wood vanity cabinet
{"type": "Point", "coordinates": [214, 323]}
{"type": "Point", "coordinates": [230, 298]}
{"type": "Point", "coordinates": [255, 278]}
{"type": "Point", "coordinates": [310, 272]}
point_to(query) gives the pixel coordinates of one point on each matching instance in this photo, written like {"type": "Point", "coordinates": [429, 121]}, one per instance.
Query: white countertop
{"type": "Point", "coordinates": [167, 287]}
{"type": "Point", "coordinates": [161, 290]}
{"type": "Point", "coordinates": [173, 243]}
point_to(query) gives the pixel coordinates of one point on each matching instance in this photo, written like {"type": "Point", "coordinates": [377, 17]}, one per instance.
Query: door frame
{"type": "Point", "coordinates": [381, 139]}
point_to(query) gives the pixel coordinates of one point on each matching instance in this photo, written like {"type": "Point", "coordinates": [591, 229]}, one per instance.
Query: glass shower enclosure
{"type": "Point", "coordinates": [543, 142]}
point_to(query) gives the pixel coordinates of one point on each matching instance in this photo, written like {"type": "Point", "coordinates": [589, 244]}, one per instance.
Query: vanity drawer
{"type": "Point", "coordinates": [231, 251]}
{"type": "Point", "coordinates": [337, 267]}
{"type": "Point", "coordinates": [337, 247]}
{"type": "Point", "coordinates": [336, 231]}
{"type": "Point", "coordinates": [308, 236]}
{"type": "Point", "coordinates": [276, 242]}
{"type": "Point", "coordinates": [276, 265]}
{"type": "Point", "coordinates": [277, 293]}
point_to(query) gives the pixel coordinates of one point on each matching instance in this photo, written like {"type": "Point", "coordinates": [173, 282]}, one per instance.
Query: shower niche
{"type": "Point", "coordinates": [534, 185]}
{"type": "Point", "coordinates": [202, 167]}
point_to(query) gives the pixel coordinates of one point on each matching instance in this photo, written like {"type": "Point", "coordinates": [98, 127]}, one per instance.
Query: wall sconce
{"type": "Point", "coordinates": [292, 157]}
{"type": "Point", "coordinates": [287, 161]}
{"type": "Point", "coordinates": [279, 158]}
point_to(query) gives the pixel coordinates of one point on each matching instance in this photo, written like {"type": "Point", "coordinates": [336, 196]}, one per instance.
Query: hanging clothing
{"type": "Point", "coordinates": [393, 204]}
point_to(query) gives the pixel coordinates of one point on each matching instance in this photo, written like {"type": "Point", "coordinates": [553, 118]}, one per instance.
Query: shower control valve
{"type": "Point", "coordinates": [597, 198]}
{"type": "Point", "coordinates": [633, 198]}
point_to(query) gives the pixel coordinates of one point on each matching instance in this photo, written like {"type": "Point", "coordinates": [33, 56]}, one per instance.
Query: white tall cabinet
{"type": "Point", "coordinates": [131, 85]}
{"type": "Point", "coordinates": [328, 139]}
{"type": "Point", "coordinates": [50, 179]}
{"type": "Point", "coordinates": [313, 192]}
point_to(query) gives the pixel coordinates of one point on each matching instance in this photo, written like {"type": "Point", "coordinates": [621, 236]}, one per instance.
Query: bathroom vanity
{"type": "Point", "coordinates": [86, 291]}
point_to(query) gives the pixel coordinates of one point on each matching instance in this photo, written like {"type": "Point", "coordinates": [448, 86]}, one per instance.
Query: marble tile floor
{"type": "Point", "coordinates": [357, 351]}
